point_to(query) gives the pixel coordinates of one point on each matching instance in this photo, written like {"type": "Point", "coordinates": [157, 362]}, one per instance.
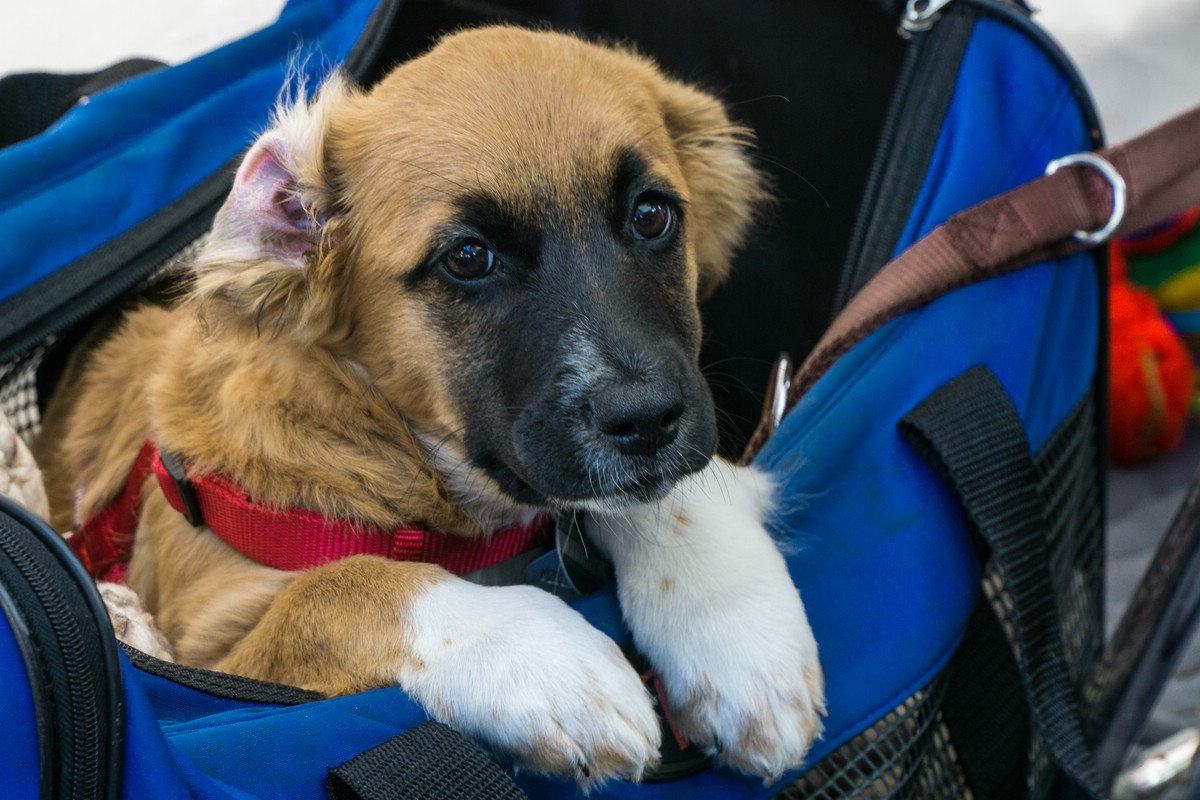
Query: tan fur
{"type": "Point", "coordinates": [320, 387]}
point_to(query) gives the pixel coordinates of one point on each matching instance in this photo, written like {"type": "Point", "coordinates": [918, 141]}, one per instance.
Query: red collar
{"type": "Point", "coordinates": [292, 539]}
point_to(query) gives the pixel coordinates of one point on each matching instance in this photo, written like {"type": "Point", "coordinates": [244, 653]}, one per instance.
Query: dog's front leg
{"type": "Point", "coordinates": [513, 667]}
{"type": "Point", "coordinates": [708, 598]}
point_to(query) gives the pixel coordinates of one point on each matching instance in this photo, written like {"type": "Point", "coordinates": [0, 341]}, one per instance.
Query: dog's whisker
{"type": "Point", "coordinates": [760, 98]}
{"type": "Point", "coordinates": [761, 156]}
{"type": "Point", "coordinates": [743, 360]}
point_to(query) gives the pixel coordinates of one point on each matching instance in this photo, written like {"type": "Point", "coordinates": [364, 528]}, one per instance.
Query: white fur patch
{"type": "Point", "coordinates": [710, 603]}
{"type": "Point", "coordinates": [520, 670]}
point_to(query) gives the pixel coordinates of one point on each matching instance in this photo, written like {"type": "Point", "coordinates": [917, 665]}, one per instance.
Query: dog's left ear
{"type": "Point", "coordinates": [726, 190]}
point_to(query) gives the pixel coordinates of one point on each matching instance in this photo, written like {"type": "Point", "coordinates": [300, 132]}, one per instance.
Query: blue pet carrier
{"type": "Point", "coordinates": [942, 449]}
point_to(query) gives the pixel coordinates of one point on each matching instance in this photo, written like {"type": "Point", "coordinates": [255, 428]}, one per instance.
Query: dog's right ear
{"type": "Point", "coordinates": [267, 214]}
{"type": "Point", "coordinates": [270, 254]}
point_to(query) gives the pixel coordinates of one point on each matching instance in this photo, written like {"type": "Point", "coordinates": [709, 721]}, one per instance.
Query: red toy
{"type": "Point", "coordinates": [1151, 373]}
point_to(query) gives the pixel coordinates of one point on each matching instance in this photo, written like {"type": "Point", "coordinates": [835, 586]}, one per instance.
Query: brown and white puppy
{"type": "Point", "coordinates": [461, 299]}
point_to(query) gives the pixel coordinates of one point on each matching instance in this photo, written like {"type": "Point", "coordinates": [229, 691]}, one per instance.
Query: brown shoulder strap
{"type": "Point", "coordinates": [1034, 222]}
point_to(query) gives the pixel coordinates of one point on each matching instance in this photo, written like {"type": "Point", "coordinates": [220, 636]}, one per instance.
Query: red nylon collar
{"type": "Point", "coordinates": [292, 539]}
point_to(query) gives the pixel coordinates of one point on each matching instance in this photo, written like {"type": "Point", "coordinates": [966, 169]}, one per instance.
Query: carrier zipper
{"type": "Point", "coordinates": [71, 655]}
{"type": "Point", "coordinates": [920, 15]}
{"type": "Point", "coordinates": [76, 291]}
{"type": "Point", "coordinates": [364, 60]}
{"type": "Point", "coordinates": [923, 91]}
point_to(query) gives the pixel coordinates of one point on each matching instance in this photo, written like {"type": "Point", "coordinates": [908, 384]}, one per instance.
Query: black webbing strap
{"type": "Point", "coordinates": [429, 762]}
{"type": "Point", "coordinates": [970, 433]}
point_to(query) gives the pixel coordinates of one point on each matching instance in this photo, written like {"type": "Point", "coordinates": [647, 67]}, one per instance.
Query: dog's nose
{"type": "Point", "coordinates": [638, 419]}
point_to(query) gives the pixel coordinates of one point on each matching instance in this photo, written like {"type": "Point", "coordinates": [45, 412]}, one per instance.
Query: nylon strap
{"type": "Point", "coordinates": [1031, 223]}
{"type": "Point", "coordinates": [429, 762]}
{"type": "Point", "coordinates": [300, 539]}
{"type": "Point", "coordinates": [971, 434]}
{"type": "Point", "coordinates": [104, 540]}
{"type": "Point", "coordinates": [287, 539]}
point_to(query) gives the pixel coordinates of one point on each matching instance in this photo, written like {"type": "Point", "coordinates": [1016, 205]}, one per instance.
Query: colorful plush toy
{"type": "Point", "coordinates": [1152, 371]}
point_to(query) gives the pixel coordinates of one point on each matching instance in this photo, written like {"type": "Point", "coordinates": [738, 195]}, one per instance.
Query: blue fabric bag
{"type": "Point", "coordinates": [887, 560]}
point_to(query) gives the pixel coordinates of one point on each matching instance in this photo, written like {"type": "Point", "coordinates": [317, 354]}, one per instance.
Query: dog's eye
{"type": "Point", "coordinates": [651, 218]}
{"type": "Point", "coordinates": [469, 260]}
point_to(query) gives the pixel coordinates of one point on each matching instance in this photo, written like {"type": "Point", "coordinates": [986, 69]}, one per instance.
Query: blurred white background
{"type": "Point", "coordinates": [1140, 57]}
{"type": "Point", "coordinates": [85, 35]}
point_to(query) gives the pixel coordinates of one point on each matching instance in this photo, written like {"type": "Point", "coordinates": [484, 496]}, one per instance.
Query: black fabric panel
{"type": "Point", "coordinates": [429, 762]}
{"type": "Point", "coordinates": [919, 105]}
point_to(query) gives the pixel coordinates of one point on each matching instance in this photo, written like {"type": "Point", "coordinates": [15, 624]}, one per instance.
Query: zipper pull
{"type": "Point", "coordinates": [920, 15]}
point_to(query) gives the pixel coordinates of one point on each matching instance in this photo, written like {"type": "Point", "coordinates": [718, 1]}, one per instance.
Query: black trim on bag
{"type": "Point", "coordinates": [430, 761]}
{"type": "Point", "coordinates": [970, 433]}
{"type": "Point", "coordinates": [86, 285]}
{"type": "Point", "coordinates": [221, 684]}
{"type": "Point", "coordinates": [33, 101]}
{"type": "Point", "coordinates": [362, 63]}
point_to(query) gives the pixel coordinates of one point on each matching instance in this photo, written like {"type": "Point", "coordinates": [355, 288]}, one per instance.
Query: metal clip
{"type": "Point", "coordinates": [775, 405]}
{"type": "Point", "coordinates": [920, 15]}
{"type": "Point", "coordinates": [187, 493]}
{"type": "Point", "coordinates": [1115, 181]}
{"type": "Point", "coordinates": [1160, 769]}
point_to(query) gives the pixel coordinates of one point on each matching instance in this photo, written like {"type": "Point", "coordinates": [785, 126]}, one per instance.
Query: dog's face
{"type": "Point", "coordinates": [507, 238]}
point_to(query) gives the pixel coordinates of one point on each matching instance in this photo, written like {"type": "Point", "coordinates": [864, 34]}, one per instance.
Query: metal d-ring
{"type": "Point", "coordinates": [1105, 168]}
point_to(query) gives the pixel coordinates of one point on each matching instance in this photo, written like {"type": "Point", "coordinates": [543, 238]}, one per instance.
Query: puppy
{"type": "Point", "coordinates": [464, 299]}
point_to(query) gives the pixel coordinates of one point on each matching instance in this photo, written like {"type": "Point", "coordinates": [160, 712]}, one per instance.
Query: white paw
{"type": "Point", "coordinates": [712, 606]}
{"type": "Point", "coordinates": [526, 674]}
{"type": "Point", "coordinates": [755, 703]}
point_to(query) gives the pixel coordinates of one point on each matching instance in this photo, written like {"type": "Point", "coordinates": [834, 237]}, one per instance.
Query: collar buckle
{"type": "Point", "coordinates": [187, 493]}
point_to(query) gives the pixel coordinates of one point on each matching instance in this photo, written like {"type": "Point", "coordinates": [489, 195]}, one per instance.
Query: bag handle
{"type": "Point", "coordinates": [1031, 223]}
{"type": "Point", "coordinates": [971, 434]}
{"type": "Point", "coordinates": [430, 762]}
